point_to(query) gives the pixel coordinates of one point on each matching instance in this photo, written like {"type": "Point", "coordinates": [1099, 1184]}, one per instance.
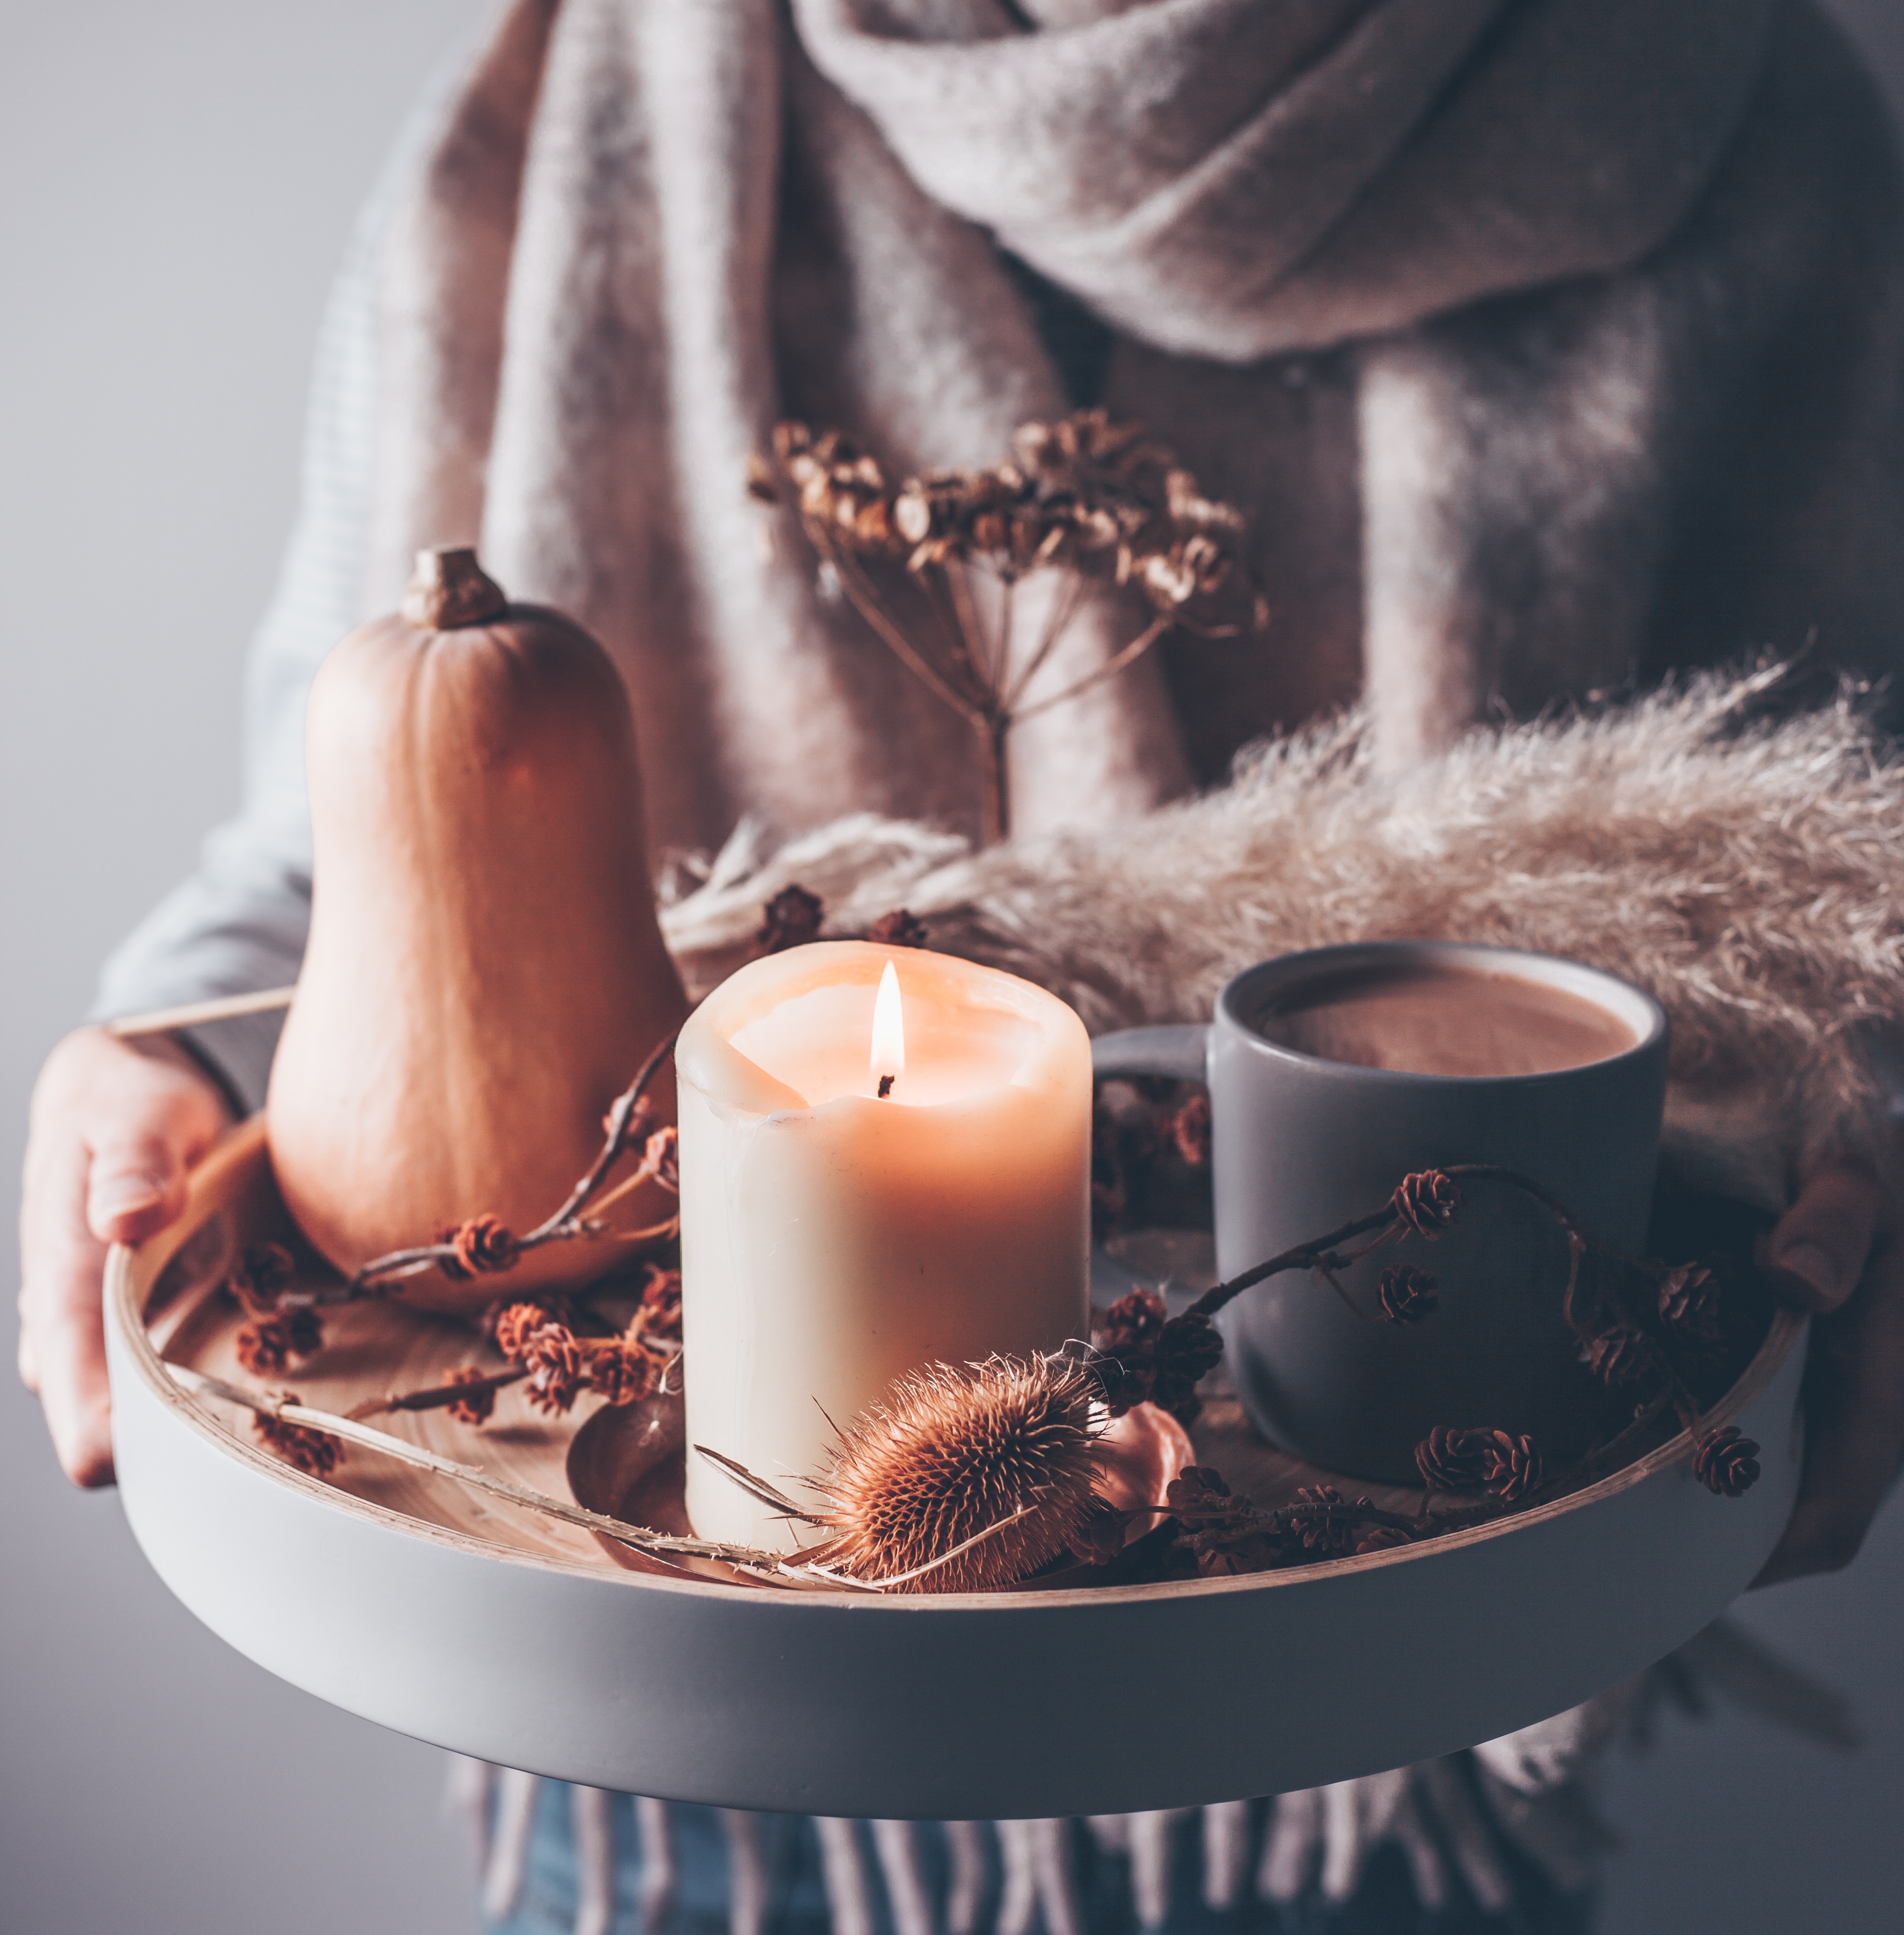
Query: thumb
{"type": "Point", "coordinates": [136, 1185]}
{"type": "Point", "coordinates": [1817, 1251]}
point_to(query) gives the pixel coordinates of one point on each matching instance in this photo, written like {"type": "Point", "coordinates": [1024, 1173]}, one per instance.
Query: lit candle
{"type": "Point", "coordinates": [884, 1163]}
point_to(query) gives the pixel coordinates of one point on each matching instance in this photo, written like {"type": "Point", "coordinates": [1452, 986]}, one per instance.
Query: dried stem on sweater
{"type": "Point", "coordinates": [1084, 498]}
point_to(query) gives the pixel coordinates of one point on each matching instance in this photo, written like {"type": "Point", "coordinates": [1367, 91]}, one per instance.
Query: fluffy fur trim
{"type": "Point", "coordinates": [1747, 872]}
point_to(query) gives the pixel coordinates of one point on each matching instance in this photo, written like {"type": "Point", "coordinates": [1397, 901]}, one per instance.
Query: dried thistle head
{"type": "Point", "coordinates": [953, 1451]}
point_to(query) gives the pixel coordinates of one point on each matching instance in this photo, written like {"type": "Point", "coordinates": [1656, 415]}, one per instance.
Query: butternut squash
{"type": "Point", "coordinates": [484, 972]}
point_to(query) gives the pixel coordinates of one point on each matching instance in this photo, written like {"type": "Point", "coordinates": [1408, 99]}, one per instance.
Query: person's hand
{"type": "Point", "coordinates": [1837, 1253]}
{"type": "Point", "coordinates": [114, 1127]}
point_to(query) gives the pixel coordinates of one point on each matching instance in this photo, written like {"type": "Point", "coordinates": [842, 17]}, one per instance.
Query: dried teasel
{"type": "Point", "coordinates": [952, 1453]}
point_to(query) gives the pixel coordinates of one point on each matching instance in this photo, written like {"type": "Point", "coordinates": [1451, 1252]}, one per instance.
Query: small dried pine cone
{"type": "Point", "coordinates": [516, 1324]}
{"type": "Point", "coordinates": [485, 1246]}
{"type": "Point", "coordinates": [263, 1274]}
{"type": "Point", "coordinates": [1189, 1130]}
{"type": "Point", "coordinates": [662, 1157]}
{"type": "Point", "coordinates": [1407, 1295]}
{"type": "Point", "coordinates": [622, 1372]}
{"type": "Point", "coordinates": [1618, 1358]}
{"type": "Point", "coordinates": [899, 929]}
{"type": "Point", "coordinates": [1100, 1538]}
{"type": "Point", "coordinates": [310, 1451]}
{"type": "Point", "coordinates": [1511, 1467]}
{"type": "Point", "coordinates": [269, 1344]}
{"type": "Point", "coordinates": [1319, 1521]}
{"type": "Point", "coordinates": [660, 1312]}
{"type": "Point", "coordinates": [553, 1356]}
{"type": "Point", "coordinates": [1452, 1461]}
{"type": "Point", "coordinates": [479, 1406]}
{"type": "Point", "coordinates": [1381, 1538]}
{"type": "Point", "coordinates": [1689, 1300]}
{"type": "Point", "coordinates": [1199, 1494]}
{"type": "Point", "coordinates": [1132, 1324]}
{"type": "Point", "coordinates": [1124, 1382]}
{"type": "Point", "coordinates": [790, 919]}
{"type": "Point", "coordinates": [1188, 1348]}
{"type": "Point", "coordinates": [1426, 1203]}
{"type": "Point", "coordinates": [1726, 1462]}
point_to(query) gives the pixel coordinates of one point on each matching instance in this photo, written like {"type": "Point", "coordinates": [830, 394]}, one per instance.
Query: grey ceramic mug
{"type": "Point", "coordinates": [1301, 1146]}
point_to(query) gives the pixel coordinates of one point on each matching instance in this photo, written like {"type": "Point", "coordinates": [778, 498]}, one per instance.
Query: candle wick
{"type": "Point", "coordinates": [885, 1086]}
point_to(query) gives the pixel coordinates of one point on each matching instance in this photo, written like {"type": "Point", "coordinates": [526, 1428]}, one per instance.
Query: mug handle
{"type": "Point", "coordinates": [1182, 1052]}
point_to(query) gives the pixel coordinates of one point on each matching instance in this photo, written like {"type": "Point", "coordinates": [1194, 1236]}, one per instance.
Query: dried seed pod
{"type": "Point", "coordinates": [1726, 1462]}
{"type": "Point", "coordinates": [952, 1453]}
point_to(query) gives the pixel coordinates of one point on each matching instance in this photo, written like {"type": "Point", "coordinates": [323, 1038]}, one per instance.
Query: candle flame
{"type": "Point", "coordinates": [889, 1058]}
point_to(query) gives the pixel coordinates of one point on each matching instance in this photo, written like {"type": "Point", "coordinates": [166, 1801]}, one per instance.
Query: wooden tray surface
{"type": "Point", "coordinates": [461, 1620]}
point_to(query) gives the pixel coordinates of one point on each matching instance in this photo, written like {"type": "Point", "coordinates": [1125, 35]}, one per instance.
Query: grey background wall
{"type": "Point", "coordinates": [175, 185]}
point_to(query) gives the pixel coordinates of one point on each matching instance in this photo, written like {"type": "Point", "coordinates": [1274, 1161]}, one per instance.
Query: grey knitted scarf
{"type": "Point", "coordinates": [644, 230]}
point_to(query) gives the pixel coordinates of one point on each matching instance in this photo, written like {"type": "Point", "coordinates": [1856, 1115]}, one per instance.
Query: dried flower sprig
{"type": "Point", "coordinates": [311, 1439]}
{"type": "Point", "coordinates": [1138, 1346]}
{"type": "Point", "coordinates": [483, 1245]}
{"type": "Point", "coordinates": [1095, 500]}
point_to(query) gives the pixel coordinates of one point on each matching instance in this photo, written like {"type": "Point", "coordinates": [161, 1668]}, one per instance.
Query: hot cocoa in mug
{"type": "Point", "coordinates": [1333, 1073]}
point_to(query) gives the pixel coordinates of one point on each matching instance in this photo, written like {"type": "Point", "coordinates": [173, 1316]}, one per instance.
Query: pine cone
{"type": "Point", "coordinates": [1131, 1324]}
{"type": "Point", "coordinates": [1618, 1358]}
{"type": "Point", "coordinates": [556, 1368]}
{"type": "Point", "coordinates": [1407, 1295]}
{"type": "Point", "coordinates": [1188, 1348]}
{"type": "Point", "coordinates": [1426, 1203]}
{"type": "Point", "coordinates": [663, 1156]}
{"type": "Point", "coordinates": [310, 1451]}
{"type": "Point", "coordinates": [899, 929]}
{"type": "Point", "coordinates": [1726, 1462]}
{"type": "Point", "coordinates": [1101, 1537]}
{"type": "Point", "coordinates": [1382, 1538]}
{"type": "Point", "coordinates": [660, 1313]}
{"type": "Point", "coordinates": [1198, 1493]}
{"type": "Point", "coordinates": [1190, 1130]}
{"type": "Point", "coordinates": [269, 1345]}
{"type": "Point", "coordinates": [1319, 1522]}
{"type": "Point", "coordinates": [484, 1246]}
{"type": "Point", "coordinates": [620, 1372]}
{"type": "Point", "coordinates": [1126, 1340]}
{"type": "Point", "coordinates": [790, 919]}
{"type": "Point", "coordinates": [1510, 1467]}
{"type": "Point", "coordinates": [516, 1324]}
{"type": "Point", "coordinates": [1453, 1461]}
{"type": "Point", "coordinates": [480, 1405]}
{"type": "Point", "coordinates": [1689, 1304]}
{"type": "Point", "coordinates": [263, 1274]}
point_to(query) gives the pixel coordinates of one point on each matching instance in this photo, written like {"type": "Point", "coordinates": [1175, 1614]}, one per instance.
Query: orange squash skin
{"type": "Point", "coordinates": [484, 973]}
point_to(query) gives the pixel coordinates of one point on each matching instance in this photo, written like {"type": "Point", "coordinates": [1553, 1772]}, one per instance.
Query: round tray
{"type": "Point", "coordinates": [465, 1621]}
